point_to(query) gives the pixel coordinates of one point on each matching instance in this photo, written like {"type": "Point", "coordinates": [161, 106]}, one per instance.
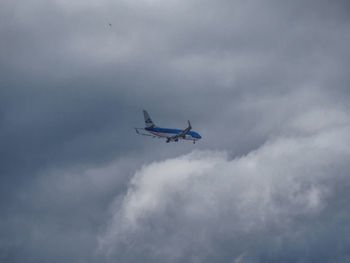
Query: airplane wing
{"type": "Point", "coordinates": [182, 134]}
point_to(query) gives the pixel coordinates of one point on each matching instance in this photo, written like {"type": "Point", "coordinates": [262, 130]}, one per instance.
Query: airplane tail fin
{"type": "Point", "coordinates": [148, 121]}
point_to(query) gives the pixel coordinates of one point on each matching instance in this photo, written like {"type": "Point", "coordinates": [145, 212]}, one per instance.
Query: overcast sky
{"type": "Point", "coordinates": [266, 85]}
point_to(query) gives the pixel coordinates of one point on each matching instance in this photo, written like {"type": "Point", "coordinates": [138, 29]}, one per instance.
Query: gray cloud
{"type": "Point", "coordinates": [72, 88]}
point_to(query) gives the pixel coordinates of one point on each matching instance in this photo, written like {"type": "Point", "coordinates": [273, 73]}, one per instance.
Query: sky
{"type": "Point", "coordinates": [264, 83]}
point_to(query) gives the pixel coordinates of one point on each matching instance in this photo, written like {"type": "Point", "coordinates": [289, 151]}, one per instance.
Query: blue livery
{"type": "Point", "coordinates": [170, 134]}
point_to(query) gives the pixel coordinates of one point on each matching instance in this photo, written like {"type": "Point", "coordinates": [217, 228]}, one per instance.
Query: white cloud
{"type": "Point", "coordinates": [192, 206]}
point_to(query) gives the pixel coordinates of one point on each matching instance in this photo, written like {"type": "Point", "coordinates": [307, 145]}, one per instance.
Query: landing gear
{"type": "Point", "coordinates": [194, 141]}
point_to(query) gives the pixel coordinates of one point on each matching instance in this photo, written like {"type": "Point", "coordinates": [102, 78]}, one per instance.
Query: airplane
{"type": "Point", "coordinates": [171, 135]}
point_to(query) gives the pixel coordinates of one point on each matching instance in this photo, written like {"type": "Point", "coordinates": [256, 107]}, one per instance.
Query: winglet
{"type": "Point", "coordinates": [189, 125]}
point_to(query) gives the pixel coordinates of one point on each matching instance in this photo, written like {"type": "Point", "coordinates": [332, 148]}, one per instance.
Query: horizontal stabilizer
{"type": "Point", "coordinates": [142, 131]}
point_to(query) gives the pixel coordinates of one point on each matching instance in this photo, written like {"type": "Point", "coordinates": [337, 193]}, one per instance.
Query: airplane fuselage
{"type": "Point", "coordinates": [167, 133]}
